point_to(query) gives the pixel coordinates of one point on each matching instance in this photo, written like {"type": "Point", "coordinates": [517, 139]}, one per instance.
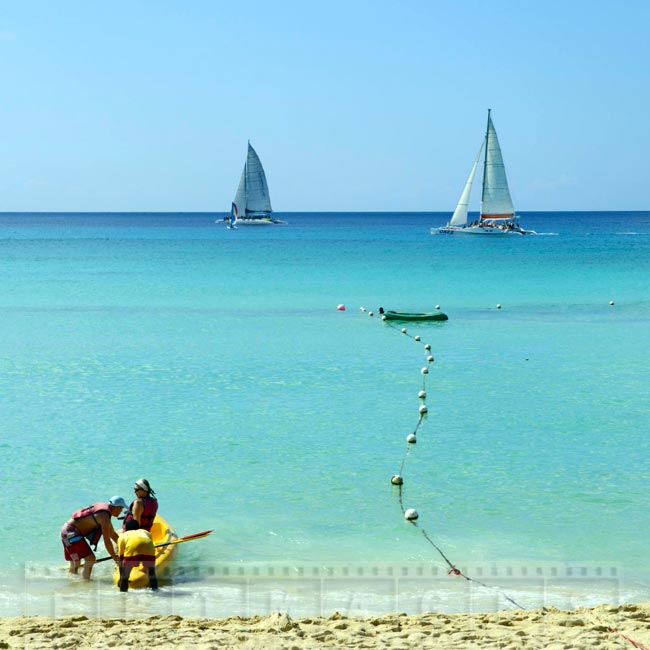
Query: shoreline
{"type": "Point", "coordinates": [605, 626]}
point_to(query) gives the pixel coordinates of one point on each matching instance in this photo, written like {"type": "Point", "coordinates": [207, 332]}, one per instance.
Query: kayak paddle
{"type": "Point", "coordinates": [187, 538]}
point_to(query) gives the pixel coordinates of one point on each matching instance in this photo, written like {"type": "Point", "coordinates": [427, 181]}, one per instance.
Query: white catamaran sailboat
{"type": "Point", "coordinates": [252, 204]}
{"type": "Point", "coordinates": [497, 215]}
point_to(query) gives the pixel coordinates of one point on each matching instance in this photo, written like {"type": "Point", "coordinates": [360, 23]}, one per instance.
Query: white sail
{"type": "Point", "coordinates": [253, 192]}
{"type": "Point", "coordinates": [496, 201]}
{"type": "Point", "coordinates": [240, 196]}
{"type": "Point", "coordinates": [257, 190]}
{"type": "Point", "coordinates": [459, 217]}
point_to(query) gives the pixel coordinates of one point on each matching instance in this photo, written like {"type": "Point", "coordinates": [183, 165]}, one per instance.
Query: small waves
{"type": "Point", "coordinates": [366, 589]}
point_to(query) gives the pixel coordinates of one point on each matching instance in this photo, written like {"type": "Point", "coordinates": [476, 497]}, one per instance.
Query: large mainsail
{"type": "Point", "coordinates": [253, 192]}
{"type": "Point", "coordinates": [496, 202]}
{"type": "Point", "coordinates": [257, 190]}
{"type": "Point", "coordinates": [459, 217]}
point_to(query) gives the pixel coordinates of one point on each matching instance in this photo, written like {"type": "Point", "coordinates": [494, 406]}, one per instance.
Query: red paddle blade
{"type": "Point", "coordinates": [187, 538]}
{"type": "Point", "coordinates": [202, 534]}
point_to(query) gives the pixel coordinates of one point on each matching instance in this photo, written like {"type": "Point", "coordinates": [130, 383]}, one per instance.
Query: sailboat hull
{"type": "Point", "coordinates": [480, 230]}
{"type": "Point", "coordinates": [265, 221]}
{"type": "Point", "coordinates": [506, 229]}
{"type": "Point", "coordinates": [252, 221]}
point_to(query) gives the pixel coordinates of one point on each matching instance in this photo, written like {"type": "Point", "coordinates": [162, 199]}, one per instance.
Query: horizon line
{"type": "Point", "coordinates": [299, 212]}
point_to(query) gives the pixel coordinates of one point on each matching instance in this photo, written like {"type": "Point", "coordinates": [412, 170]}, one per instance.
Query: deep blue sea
{"type": "Point", "coordinates": [216, 364]}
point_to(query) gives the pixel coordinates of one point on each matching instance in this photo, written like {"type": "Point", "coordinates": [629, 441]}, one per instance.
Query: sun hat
{"type": "Point", "coordinates": [117, 502]}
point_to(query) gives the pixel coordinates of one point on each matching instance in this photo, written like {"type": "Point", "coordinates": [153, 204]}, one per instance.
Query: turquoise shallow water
{"type": "Point", "coordinates": [216, 364]}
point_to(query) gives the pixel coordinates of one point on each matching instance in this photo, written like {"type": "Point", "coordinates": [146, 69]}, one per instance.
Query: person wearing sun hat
{"type": "Point", "coordinates": [87, 526]}
{"type": "Point", "coordinates": [144, 507]}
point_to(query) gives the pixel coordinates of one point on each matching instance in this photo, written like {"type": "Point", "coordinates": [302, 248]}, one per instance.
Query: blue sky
{"type": "Point", "coordinates": [351, 105]}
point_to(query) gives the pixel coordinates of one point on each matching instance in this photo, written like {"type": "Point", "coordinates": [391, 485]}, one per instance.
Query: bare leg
{"type": "Point", "coordinates": [125, 574]}
{"type": "Point", "coordinates": [89, 563]}
{"type": "Point", "coordinates": [74, 567]}
{"type": "Point", "coordinates": [153, 580]}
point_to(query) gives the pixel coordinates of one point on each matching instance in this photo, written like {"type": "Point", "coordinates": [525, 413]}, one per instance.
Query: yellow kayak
{"type": "Point", "coordinates": [161, 533]}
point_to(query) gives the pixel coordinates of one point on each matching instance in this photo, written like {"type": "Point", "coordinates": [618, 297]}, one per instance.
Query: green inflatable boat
{"type": "Point", "coordinates": [403, 315]}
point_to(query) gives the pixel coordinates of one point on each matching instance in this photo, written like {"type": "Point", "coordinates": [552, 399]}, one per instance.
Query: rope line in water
{"type": "Point", "coordinates": [453, 570]}
{"type": "Point", "coordinates": [412, 439]}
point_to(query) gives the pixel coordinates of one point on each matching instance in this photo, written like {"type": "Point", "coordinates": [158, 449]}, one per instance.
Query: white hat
{"type": "Point", "coordinates": [143, 484]}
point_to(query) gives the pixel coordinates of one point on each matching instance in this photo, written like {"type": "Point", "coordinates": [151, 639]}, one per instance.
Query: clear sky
{"type": "Point", "coordinates": [350, 104]}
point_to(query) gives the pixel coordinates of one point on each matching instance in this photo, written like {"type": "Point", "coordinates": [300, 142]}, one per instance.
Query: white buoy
{"type": "Point", "coordinates": [498, 305]}
{"type": "Point", "coordinates": [423, 409]}
{"type": "Point", "coordinates": [403, 330]}
{"type": "Point", "coordinates": [422, 394]}
{"type": "Point", "coordinates": [411, 514]}
{"type": "Point", "coordinates": [396, 479]}
{"type": "Point", "coordinates": [383, 317]}
{"type": "Point", "coordinates": [362, 309]}
{"type": "Point", "coordinates": [341, 307]}
{"type": "Point", "coordinates": [430, 359]}
{"type": "Point", "coordinates": [427, 347]}
{"type": "Point", "coordinates": [417, 338]}
{"type": "Point", "coordinates": [425, 371]}
{"type": "Point", "coordinates": [437, 307]}
{"type": "Point", "coordinates": [370, 313]}
{"type": "Point", "coordinates": [411, 439]}
{"type": "Point", "coordinates": [611, 302]}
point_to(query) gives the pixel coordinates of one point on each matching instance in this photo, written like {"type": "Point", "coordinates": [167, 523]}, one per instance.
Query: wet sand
{"type": "Point", "coordinates": [604, 627]}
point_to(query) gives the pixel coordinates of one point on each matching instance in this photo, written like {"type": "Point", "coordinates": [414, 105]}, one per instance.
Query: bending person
{"type": "Point", "coordinates": [136, 547]}
{"type": "Point", "coordinates": [87, 526]}
{"type": "Point", "coordinates": [145, 506]}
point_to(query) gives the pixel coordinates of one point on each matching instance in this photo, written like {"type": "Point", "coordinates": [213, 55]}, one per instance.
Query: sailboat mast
{"type": "Point", "coordinates": [487, 144]}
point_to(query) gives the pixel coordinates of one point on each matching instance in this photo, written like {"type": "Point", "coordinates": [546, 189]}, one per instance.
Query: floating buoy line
{"type": "Point", "coordinates": [410, 514]}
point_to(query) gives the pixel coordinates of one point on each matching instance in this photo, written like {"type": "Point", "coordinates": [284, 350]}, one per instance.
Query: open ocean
{"type": "Point", "coordinates": [215, 363]}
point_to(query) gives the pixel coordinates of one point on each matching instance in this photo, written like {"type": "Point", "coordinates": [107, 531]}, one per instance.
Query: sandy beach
{"type": "Point", "coordinates": [551, 629]}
